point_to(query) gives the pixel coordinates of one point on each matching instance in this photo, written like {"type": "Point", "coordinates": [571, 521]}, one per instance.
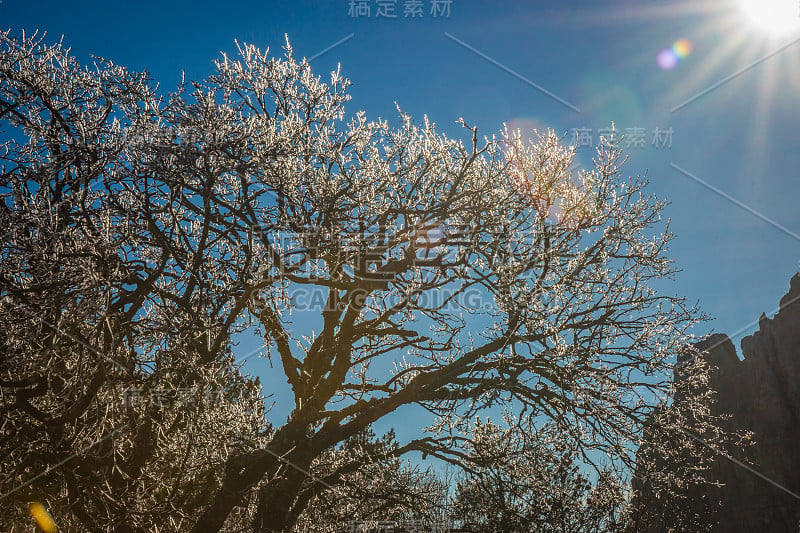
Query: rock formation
{"type": "Point", "coordinates": [760, 394]}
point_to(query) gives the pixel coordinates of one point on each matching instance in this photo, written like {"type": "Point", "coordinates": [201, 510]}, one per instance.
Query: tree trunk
{"type": "Point", "coordinates": [275, 512]}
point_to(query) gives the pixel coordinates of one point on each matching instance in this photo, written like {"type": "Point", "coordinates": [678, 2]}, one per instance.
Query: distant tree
{"type": "Point", "coordinates": [524, 482]}
{"type": "Point", "coordinates": [145, 231]}
{"type": "Point", "coordinates": [672, 486]}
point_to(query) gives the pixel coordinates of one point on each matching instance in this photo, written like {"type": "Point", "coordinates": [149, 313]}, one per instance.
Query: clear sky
{"type": "Point", "coordinates": [707, 92]}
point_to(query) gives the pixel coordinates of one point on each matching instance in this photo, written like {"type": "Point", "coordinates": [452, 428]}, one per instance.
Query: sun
{"type": "Point", "coordinates": [773, 16]}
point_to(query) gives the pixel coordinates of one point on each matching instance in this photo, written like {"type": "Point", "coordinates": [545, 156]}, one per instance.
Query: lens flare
{"type": "Point", "coordinates": [42, 517]}
{"type": "Point", "coordinates": [682, 48]}
{"type": "Point", "coordinates": [668, 58]}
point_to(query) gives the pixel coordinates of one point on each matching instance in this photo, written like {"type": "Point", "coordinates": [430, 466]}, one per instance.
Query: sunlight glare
{"type": "Point", "coordinates": [773, 16]}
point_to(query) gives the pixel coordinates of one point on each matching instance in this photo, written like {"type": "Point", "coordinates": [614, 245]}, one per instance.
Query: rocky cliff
{"type": "Point", "coordinates": [761, 394]}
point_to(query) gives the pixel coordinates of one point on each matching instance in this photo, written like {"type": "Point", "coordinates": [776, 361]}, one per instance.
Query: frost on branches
{"type": "Point", "coordinates": [144, 230]}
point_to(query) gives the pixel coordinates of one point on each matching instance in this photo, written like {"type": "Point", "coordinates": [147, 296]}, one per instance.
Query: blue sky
{"type": "Point", "coordinates": [731, 171]}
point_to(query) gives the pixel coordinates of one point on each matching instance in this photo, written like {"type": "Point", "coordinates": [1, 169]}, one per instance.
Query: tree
{"type": "Point", "coordinates": [148, 230]}
{"type": "Point", "coordinates": [672, 486]}
{"type": "Point", "coordinates": [94, 376]}
{"type": "Point", "coordinates": [525, 482]}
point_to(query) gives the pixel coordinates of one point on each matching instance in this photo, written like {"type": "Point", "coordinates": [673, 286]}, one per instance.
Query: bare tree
{"type": "Point", "coordinates": [456, 276]}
